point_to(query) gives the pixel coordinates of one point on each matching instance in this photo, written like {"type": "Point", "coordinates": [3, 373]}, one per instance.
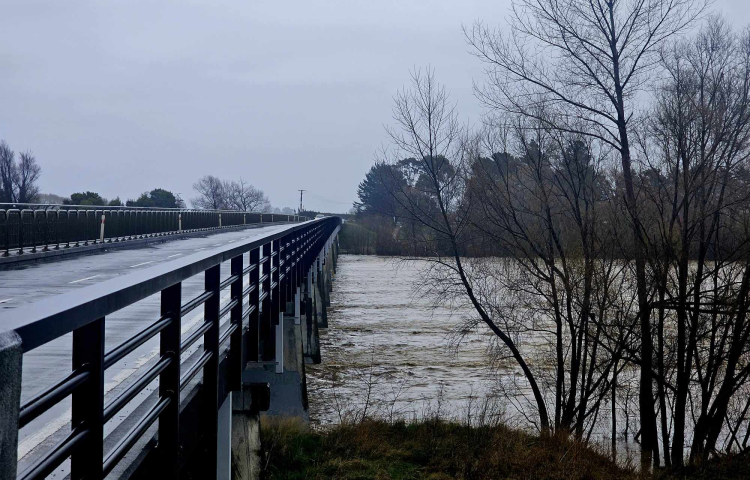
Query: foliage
{"type": "Point", "coordinates": [85, 198]}
{"type": "Point", "coordinates": [156, 198]}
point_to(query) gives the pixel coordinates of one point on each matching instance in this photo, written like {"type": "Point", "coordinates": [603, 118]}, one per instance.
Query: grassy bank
{"type": "Point", "coordinates": [428, 450]}
{"type": "Point", "coordinates": [438, 450]}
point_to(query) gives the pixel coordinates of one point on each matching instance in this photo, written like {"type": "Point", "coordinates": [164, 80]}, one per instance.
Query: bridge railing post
{"type": "Point", "coordinates": [267, 323]}
{"type": "Point", "coordinates": [277, 314]}
{"type": "Point", "coordinates": [253, 337]}
{"type": "Point", "coordinates": [11, 359]}
{"type": "Point", "coordinates": [169, 381]}
{"type": "Point", "coordinates": [211, 369]}
{"type": "Point", "coordinates": [235, 342]}
{"type": "Point", "coordinates": [88, 401]}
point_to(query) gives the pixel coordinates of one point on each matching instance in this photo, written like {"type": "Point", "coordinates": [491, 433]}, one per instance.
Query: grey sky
{"type": "Point", "coordinates": [120, 97]}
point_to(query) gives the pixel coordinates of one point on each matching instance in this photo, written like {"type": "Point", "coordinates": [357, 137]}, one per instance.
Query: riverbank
{"type": "Point", "coordinates": [439, 450]}
{"type": "Point", "coordinates": [428, 450]}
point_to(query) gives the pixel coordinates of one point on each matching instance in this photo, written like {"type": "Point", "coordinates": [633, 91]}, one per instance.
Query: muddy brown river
{"type": "Point", "coordinates": [389, 351]}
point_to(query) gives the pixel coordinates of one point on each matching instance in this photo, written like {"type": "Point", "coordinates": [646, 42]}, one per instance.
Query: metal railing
{"type": "Point", "coordinates": [30, 228]}
{"type": "Point", "coordinates": [276, 267]}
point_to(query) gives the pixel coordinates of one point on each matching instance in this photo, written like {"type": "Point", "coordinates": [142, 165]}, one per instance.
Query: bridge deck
{"type": "Point", "coordinates": [45, 365]}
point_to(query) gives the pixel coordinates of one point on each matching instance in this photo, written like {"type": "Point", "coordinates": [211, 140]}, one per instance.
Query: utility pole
{"type": "Point", "coordinates": [300, 199]}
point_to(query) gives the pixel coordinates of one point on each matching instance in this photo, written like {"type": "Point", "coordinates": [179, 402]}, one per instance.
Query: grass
{"type": "Point", "coordinates": [433, 450]}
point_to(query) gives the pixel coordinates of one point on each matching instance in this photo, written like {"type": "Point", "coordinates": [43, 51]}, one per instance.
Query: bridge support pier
{"type": "Point", "coordinates": [246, 406]}
{"type": "Point", "coordinates": [283, 382]}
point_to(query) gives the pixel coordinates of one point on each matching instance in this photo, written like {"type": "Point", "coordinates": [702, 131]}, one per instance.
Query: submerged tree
{"type": "Point", "coordinates": [586, 61]}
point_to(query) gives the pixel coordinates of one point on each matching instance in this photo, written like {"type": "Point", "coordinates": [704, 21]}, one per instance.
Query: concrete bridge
{"type": "Point", "coordinates": [154, 360]}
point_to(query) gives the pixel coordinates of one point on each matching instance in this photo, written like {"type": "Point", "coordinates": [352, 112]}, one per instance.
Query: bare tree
{"type": "Point", "coordinates": [8, 174]}
{"type": "Point", "coordinates": [211, 193]}
{"type": "Point", "coordinates": [587, 61]}
{"type": "Point", "coordinates": [28, 175]}
{"type": "Point", "coordinates": [18, 180]}
{"type": "Point", "coordinates": [696, 150]}
{"type": "Point", "coordinates": [242, 196]}
{"type": "Point", "coordinates": [429, 132]}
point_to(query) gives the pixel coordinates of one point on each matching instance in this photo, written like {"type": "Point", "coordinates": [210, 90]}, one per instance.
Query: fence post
{"type": "Point", "coordinates": [235, 342]}
{"type": "Point", "coordinates": [101, 229]}
{"type": "Point", "coordinates": [169, 382]}
{"type": "Point", "coordinates": [253, 320]}
{"type": "Point", "coordinates": [88, 401]}
{"type": "Point", "coordinates": [211, 370]}
{"type": "Point", "coordinates": [179, 222]}
{"type": "Point", "coordinates": [267, 323]}
{"type": "Point", "coordinates": [11, 358]}
{"type": "Point", "coordinates": [277, 312]}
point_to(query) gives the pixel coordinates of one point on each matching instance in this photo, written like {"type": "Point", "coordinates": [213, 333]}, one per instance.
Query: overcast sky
{"type": "Point", "coordinates": [120, 97]}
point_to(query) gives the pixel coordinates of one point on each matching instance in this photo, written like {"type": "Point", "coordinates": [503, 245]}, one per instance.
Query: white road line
{"type": "Point", "coordinates": [217, 244]}
{"type": "Point", "coordinates": [231, 241]}
{"type": "Point", "coordinates": [202, 248]}
{"type": "Point", "coordinates": [139, 264]}
{"type": "Point", "coordinates": [84, 279]}
{"type": "Point", "coordinates": [175, 255]}
{"type": "Point", "coordinates": [6, 300]}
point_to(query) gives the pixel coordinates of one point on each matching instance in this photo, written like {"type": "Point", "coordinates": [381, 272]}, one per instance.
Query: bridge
{"type": "Point", "coordinates": [137, 343]}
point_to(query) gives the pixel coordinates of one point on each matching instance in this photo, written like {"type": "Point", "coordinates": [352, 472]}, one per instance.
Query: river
{"type": "Point", "coordinates": [386, 341]}
{"type": "Point", "coordinates": [388, 352]}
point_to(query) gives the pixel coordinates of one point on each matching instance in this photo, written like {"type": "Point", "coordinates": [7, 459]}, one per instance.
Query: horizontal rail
{"type": "Point", "coordinates": [228, 281]}
{"type": "Point", "coordinates": [195, 303]}
{"type": "Point", "coordinates": [229, 331]}
{"type": "Point", "coordinates": [194, 369]}
{"type": "Point", "coordinates": [134, 389]}
{"type": "Point", "coordinates": [42, 402]}
{"type": "Point", "coordinates": [126, 347]}
{"type": "Point", "coordinates": [226, 308]}
{"type": "Point", "coordinates": [58, 454]}
{"type": "Point", "coordinates": [248, 289]}
{"type": "Point", "coordinates": [193, 337]}
{"type": "Point", "coordinates": [133, 435]}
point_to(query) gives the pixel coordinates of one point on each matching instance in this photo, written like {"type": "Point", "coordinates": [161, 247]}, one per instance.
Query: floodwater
{"type": "Point", "coordinates": [389, 353]}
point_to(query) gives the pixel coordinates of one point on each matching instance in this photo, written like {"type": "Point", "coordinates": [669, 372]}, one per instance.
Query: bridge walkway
{"type": "Point", "coordinates": [25, 283]}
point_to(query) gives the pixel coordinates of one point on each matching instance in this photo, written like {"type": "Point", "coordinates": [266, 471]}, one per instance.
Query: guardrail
{"type": "Point", "coordinates": [276, 267]}
{"type": "Point", "coordinates": [52, 227]}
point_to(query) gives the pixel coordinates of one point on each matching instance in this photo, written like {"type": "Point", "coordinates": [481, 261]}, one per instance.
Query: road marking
{"type": "Point", "coordinates": [217, 244]}
{"type": "Point", "coordinates": [175, 255]}
{"type": "Point", "coordinates": [198, 249]}
{"type": "Point", "coordinates": [6, 300]}
{"type": "Point", "coordinates": [84, 279]}
{"type": "Point", "coordinates": [139, 264]}
{"type": "Point", "coordinates": [231, 241]}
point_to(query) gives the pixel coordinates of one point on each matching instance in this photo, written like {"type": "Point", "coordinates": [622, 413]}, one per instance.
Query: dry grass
{"type": "Point", "coordinates": [428, 450]}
